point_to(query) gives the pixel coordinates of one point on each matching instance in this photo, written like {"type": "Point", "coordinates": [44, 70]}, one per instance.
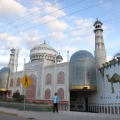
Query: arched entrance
{"type": "Point", "coordinates": [31, 90]}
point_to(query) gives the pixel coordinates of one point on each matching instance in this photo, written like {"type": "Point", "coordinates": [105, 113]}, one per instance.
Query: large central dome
{"type": "Point", "coordinates": [42, 51]}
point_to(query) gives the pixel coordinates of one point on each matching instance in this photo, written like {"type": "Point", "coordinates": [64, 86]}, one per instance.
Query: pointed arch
{"type": "Point", "coordinates": [61, 93]}
{"type": "Point", "coordinates": [47, 94]}
{"type": "Point", "coordinates": [18, 82]}
{"type": "Point", "coordinates": [61, 77]}
{"type": "Point", "coordinates": [31, 90]}
{"type": "Point", "coordinates": [11, 82]}
{"type": "Point", "coordinates": [48, 79]}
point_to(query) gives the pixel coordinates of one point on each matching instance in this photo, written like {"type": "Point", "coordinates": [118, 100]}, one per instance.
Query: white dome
{"type": "Point", "coordinates": [42, 51]}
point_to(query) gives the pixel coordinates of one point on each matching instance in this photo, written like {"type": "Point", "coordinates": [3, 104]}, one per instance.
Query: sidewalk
{"type": "Point", "coordinates": [62, 115]}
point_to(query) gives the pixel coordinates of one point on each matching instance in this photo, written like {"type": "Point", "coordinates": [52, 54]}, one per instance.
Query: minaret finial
{"type": "Point", "coordinates": [44, 42]}
{"type": "Point", "coordinates": [59, 53]}
{"type": "Point", "coordinates": [97, 19]}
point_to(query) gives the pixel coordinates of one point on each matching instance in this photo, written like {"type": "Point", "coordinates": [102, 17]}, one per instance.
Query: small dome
{"type": "Point", "coordinates": [5, 69]}
{"type": "Point", "coordinates": [97, 22]}
{"type": "Point", "coordinates": [59, 57]}
{"type": "Point", "coordinates": [81, 54]}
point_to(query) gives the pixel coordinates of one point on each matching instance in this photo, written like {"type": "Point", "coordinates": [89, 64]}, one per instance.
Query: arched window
{"type": "Point", "coordinates": [11, 82]}
{"type": "Point", "coordinates": [31, 90]}
{"type": "Point", "coordinates": [61, 77]}
{"type": "Point", "coordinates": [18, 82]}
{"type": "Point", "coordinates": [61, 93]}
{"type": "Point", "coordinates": [47, 94]}
{"type": "Point", "coordinates": [48, 79]}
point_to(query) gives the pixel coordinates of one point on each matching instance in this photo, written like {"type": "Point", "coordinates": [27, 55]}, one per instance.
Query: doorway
{"type": "Point", "coordinates": [86, 103]}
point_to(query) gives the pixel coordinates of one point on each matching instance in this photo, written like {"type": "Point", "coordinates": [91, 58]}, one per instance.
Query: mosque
{"type": "Point", "coordinates": [83, 83]}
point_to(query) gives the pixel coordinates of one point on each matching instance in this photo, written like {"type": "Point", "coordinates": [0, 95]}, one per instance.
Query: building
{"type": "Point", "coordinates": [85, 83]}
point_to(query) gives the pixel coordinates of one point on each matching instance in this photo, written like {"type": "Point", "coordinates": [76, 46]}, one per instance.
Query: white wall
{"type": "Point", "coordinates": [54, 70]}
{"type": "Point", "coordinates": [36, 68]}
{"type": "Point", "coordinates": [15, 76]}
{"type": "Point", "coordinates": [104, 95]}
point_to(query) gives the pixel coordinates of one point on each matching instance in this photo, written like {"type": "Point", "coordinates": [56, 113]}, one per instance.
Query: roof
{"type": "Point", "coordinates": [59, 57]}
{"type": "Point", "coordinates": [97, 22]}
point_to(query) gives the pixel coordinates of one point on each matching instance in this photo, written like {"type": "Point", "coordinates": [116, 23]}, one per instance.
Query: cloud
{"type": "Point", "coordinates": [82, 26]}
{"type": "Point", "coordinates": [76, 40]}
{"type": "Point", "coordinates": [110, 57]}
{"type": "Point", "coordinates": [25, 42]}
{"type": "Point", "coordinates": [52, 23]}
{"type": "Point", "coordinates": [84, 22]}
{"type": "Point", "coordinates": [10, 8]}
{"type": "Point", "coordinates": [59, 36]}
{"type": "Point", "coordinates": [57, 25]}
{"type": "Point", "coordinates": [55, 11]}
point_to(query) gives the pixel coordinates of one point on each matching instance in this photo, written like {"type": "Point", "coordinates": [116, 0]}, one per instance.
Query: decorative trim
{"type": "Point", "coordinates": [86, 88]}
{"type": "Point", "coordinates": [3, 89]}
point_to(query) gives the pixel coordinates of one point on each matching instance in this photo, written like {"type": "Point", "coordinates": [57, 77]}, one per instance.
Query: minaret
{"type": "Point", "coordinates": [11, 61]}
{"type": "Point", "coordinates": [100, 52]}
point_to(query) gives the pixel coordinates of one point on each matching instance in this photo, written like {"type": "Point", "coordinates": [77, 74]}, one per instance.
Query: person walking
{"type": "Point", "coordinates": [55, 103]}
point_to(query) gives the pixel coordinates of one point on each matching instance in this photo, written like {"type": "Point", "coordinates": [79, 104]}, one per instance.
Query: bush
{"type": "Point", "coordinates": [20, 98]}
{"type": "Point", "coordinates": [17, 97]}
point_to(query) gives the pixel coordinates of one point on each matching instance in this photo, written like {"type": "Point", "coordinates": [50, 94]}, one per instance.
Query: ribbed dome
{"type": "Point", "coordinates": [81, 54]}
{"type": "Point", "coordinates": [97, 22]}
{"type": "Point", "coordinates": [40, 50]}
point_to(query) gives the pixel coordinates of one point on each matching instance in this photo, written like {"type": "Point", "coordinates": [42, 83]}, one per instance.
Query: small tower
{"type": "Point", "coordinates": [11, 61]}
{"type": "Point", "coordinates": [100, 52]}
{"type": "Point", "coordinates": [59, 58]}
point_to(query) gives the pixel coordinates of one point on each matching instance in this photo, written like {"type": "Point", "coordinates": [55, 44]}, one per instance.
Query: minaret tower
{"type": "Point", "coordinates": [100, 52]}
{"type": "Point", "coordinates": [11, 61]}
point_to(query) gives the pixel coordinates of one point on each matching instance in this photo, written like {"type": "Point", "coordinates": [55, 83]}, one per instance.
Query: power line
{"type": "Point", "coordinates": [43, 16]}
{"type": "Point", "coordinates": [67, 32]}
{"type": "Point", "coordinates": [60, 17]}
{"type": "Point", "coordinates": [29, 14]}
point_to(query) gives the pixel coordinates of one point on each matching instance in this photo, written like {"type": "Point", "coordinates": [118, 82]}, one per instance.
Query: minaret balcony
{"type": "Point", "coordinates": [98, 29]}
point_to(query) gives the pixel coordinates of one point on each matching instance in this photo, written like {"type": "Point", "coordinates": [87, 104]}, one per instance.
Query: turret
{"type": "Point", "coordinates": [100, 52]}
{"type": "Point", "coordinates": [59, 58]}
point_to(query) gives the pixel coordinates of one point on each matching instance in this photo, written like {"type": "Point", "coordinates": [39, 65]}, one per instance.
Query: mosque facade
{"type": "Point", "coordinates": [85, 83]}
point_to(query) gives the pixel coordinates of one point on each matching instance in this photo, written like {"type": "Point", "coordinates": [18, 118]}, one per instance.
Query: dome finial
{"type": "Point", "coordinates": [44, 41]}
{"type": "Point", "coordinates": [97, 19]}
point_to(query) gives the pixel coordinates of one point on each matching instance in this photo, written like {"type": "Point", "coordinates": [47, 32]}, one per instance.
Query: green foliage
{"type": "Point", "coordinates": [6, 100]}
{"type": "Point", "coordinates": [15, 95]}
{"type": "Point", "coordinates": [19, 98]}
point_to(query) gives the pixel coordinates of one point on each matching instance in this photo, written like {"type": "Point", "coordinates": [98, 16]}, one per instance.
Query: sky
{"type": "Point", "coordinates": [66, 25]}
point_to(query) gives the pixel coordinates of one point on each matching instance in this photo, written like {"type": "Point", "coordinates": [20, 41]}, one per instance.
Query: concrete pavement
{"type": "Point", "coordinates": [62, 115]}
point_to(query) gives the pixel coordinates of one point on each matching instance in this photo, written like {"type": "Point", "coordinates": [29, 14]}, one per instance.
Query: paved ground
{"type": "Point", "coordinates": [62, 115]}
{"type": "Point", "coordinates": [11, 117]}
